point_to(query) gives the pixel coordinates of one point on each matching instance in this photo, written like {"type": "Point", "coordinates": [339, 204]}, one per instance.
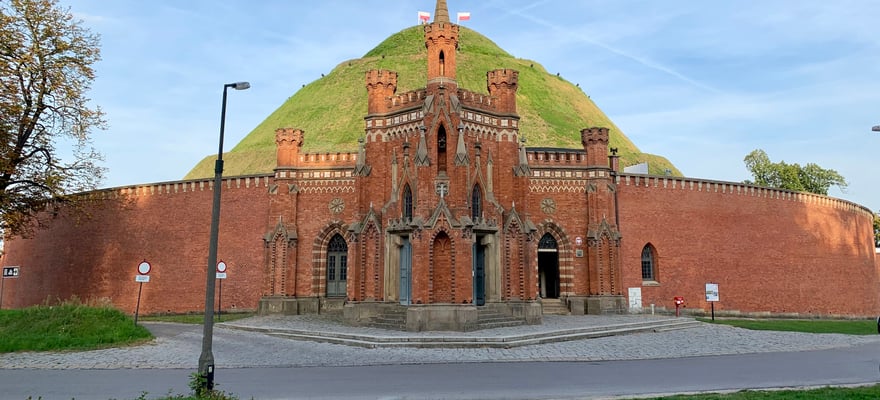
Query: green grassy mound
{"type": "Point", "coordinates": [331, 109]}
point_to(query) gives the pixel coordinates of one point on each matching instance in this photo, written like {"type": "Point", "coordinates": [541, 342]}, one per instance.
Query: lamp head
{"type": "Point", "coordinates": [876, 128]}
{"type": "Point", "coordinates": [239, 85]}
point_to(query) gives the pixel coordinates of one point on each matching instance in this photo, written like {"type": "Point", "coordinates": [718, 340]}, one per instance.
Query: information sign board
{"type": "Point", "coordinates": [711, 292]}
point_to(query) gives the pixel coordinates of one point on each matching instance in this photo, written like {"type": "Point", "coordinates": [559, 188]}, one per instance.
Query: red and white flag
{"type": "Point", "coordinates": [424, 16]}
{"type": "Point", "coordinates": [464, 16]}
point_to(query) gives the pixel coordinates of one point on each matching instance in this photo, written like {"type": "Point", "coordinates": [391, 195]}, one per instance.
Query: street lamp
{"type": "Point", "coordinates": [876, 128]}
{"type": "Point", "coordinates": [206, 360]}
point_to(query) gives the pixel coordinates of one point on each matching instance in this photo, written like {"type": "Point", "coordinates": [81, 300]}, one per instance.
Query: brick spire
{"type": "Point", "coordinates": [441, 12]}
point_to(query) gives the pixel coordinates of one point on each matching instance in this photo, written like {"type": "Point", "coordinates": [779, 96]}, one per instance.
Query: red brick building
{"type": "Point", "coordinates": [443, 213]}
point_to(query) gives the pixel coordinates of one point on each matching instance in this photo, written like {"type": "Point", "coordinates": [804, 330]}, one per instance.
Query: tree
{"type": "Point", "coordinates": [46, 60]}
{"type": "Point", "coordinates": [809, 178]}
{"type": "Point", "coordinates": [877, 230]}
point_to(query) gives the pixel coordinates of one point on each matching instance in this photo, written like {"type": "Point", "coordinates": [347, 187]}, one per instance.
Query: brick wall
{"type": "Point", "coordinates": [768, 250]}
{"type": "Point", "coordinates": [95, 255]}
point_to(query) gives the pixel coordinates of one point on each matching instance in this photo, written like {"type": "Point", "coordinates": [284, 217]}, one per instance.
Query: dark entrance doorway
{"type": "Point", "coordinates": [337, 266]}
{"type": "Point", "coordinates": [548, 267]}
{"type": "Point", "coordinates": [479, 273]}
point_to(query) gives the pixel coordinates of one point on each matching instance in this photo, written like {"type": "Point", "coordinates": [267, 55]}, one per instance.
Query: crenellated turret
{"type": "Point", "coordinates": [502, 84]}
{"type": "Point", "coordinates": [381, 86]}
{"type": "Point", "coordinates": [288, 142]}
{"type": "Point", "coordinates": [595, 141]}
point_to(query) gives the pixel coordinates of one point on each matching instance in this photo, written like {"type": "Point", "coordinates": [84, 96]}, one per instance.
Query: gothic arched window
{"type": "Point", "coordinates": [649, 265]}
{"type": "Point", "coordinates": [441, 149]}
{"type": "Point", "coordinates": [547, 242]}
{"type": "Point", "coordinates": [476, 203]}
{"type": "Point", "coordinates": [407, 203]}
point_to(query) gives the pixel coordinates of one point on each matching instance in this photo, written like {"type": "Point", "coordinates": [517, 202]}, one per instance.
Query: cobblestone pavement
{"type": "Point", "coordinates": [179, 346]}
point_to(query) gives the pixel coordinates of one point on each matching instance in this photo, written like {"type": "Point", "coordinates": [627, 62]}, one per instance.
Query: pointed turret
{"type": "Point", "coordinates": [441, 40]}
{"type": "Point", "coordinates": [441, 12]}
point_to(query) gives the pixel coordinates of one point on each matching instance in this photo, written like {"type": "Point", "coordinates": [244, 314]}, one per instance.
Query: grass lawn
{"type": "Point", "coordinates": [847, 327]}
{"type": "Point", "coordinates": [67, 326]}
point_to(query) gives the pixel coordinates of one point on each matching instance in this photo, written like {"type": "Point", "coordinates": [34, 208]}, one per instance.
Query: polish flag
{"type": "Point", "coordinates": [424, 16]}
{"type": "Point", "coordinates": [464, 16]}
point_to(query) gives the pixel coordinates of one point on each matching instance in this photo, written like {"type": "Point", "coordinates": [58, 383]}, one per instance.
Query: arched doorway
{"type": "Point", "coordinates": [548, 267]}
{"type": "Point", "coordinates": [337, 266]}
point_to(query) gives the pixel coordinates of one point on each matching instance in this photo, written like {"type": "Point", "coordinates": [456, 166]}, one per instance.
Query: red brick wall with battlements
{"type": "Point", "coordinates": [95, 255]}
{"type": "Point", "coordinates": [768, 250]}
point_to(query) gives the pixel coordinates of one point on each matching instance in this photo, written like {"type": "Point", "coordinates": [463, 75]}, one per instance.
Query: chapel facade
{"type": "Point", "coordinates": [442, 219]}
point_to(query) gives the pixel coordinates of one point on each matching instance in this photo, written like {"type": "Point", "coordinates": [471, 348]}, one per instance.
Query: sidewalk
{"type": "Point", "coordinates": [263, 342]}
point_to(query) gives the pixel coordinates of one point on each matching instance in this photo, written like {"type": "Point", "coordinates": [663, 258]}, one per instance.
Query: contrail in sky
{"type": "Point", "coordinates": [643, 61]}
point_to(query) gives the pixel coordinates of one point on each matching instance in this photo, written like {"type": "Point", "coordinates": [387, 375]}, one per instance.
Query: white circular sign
{"type": "Point", "coordinates": [221, 267]}
{"type": "Point", "coordinates": [144, 268]}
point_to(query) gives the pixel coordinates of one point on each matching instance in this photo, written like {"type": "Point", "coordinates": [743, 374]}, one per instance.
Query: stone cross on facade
{"type": "Point", "coordinates": [442, 189]}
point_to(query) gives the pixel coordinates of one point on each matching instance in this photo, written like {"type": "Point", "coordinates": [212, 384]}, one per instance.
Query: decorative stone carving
{"type": "Point", "coordinates": [548, 206]}
{"type": "Point", "coordinates": [336, 205]}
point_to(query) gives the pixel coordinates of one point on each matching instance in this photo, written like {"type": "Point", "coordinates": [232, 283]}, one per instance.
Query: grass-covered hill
{"type": "Point", "coordinates": [331, 109]}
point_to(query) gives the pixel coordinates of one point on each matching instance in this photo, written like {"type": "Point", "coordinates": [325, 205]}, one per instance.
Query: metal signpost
{"type": "Point", "coordinates": [221, 274]}
{"type": "Point", "coordinates": [712, 296]}
{"type": "Point", "coordinates": [143, 276]}
{"type": "Point", "coordinates": [8, 272]}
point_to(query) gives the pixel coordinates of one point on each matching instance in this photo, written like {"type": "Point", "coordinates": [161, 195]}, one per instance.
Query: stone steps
{"type": "Point", "coordinates": [391, 318]}
{"type": "Point", "coordinates": [395, 319]}
{"type": "Point", "coordinates": [440, 340]}
{"type": "Point", "coordinates": [489, 319]}
{"type": "Point", "coordinates": [554, 307]}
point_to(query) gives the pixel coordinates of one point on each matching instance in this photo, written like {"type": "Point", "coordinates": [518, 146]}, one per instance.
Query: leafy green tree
{"type": "Point", "coordinates": [46, 60]}
{"type": "Point", "coordinates": [809, 178]}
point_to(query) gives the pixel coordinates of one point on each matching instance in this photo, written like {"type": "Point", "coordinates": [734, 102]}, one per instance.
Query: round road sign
{"type": "Point", "coordinates": [221, 267]}
{"type": "Point", "coordinates": [144, 268]}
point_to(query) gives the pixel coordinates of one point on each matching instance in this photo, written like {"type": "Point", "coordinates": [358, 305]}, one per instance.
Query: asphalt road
{"type": "Point", "coordinates": [508, 380]}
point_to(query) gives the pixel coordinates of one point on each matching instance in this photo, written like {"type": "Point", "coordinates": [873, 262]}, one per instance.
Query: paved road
{"type": "Point", "coordinates": [511, 380]}
{"type": "Point", "coordinates": [709, 357]}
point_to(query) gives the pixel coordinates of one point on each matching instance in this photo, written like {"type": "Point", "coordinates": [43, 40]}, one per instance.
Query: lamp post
{"type": "Point", "coordinates": [206, 359]}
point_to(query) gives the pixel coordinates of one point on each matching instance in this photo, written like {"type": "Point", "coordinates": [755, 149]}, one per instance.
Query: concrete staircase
{"type": "Point", "coordinates": [393, 318]}
{"type": "Point", "coordinates": [488, 340]}
{"type": "Point", "coordinates": [489, 319]}
{"type": "Point", "coordinates": [554, 307]}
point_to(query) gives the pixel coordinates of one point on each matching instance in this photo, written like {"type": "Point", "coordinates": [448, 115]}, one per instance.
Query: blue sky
{"type": "Point", "coordinates": [701, 82]}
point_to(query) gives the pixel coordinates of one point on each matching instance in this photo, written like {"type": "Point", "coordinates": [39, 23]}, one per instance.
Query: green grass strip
{"type": "Point", "coordinates": [67, 327]}
{"type": "Point", "coordinates": [826, 393]}
{"type": "Point", "coordinates": [847, 327]}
